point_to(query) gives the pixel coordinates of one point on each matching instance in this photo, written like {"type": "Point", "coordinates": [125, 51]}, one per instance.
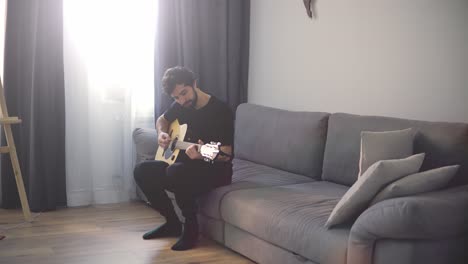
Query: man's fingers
{"type": "Point", "coordinates": [192, 152]}
{"type": "Point", "coordinates": [163, 143]}
{"type": "Point", "coordinates": [192, 148]}
{"type": "Point", "coordinates": [164, 140]}
{"type": "Point", "coordinates": [189, 152]}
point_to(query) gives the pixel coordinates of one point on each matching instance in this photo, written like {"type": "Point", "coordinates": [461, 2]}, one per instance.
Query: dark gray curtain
{"type": "Point", "coordinates": [34, 91]}
{"type": "Point", "coordinates": [212, 38]}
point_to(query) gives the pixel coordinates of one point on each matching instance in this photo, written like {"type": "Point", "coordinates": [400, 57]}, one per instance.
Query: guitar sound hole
{"type": "Point", "coordinates": [173, 157]}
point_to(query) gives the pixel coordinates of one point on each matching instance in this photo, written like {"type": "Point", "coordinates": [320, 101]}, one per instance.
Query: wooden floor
{"type": "Point", "coordinates": [98, 234]}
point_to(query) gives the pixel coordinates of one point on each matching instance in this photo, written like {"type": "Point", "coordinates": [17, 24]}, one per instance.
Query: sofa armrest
{"type": "Point", "coordinates": [146, 143]}
{"type": "Point", "coordinates": [434, 215]}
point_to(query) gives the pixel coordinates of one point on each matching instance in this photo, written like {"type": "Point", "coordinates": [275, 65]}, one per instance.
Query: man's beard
{"type": "Point", "coordinates": [192, 103]}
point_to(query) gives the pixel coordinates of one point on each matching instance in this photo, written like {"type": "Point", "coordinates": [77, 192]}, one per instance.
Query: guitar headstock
{"type": "Point", "coordinates": [210, 151]}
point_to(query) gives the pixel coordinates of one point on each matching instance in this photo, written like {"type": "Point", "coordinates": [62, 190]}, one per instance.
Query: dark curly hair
{"type": "Point", "coordinates": [176, 76]}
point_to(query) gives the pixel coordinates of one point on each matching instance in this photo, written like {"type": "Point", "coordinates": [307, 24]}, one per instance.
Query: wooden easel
{"type": "Point", "coordinates": [7, 121]}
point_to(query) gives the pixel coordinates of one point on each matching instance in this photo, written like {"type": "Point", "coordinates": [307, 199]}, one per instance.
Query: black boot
{"type": "Point", "coordinates": [189, 236]}
{"type": "Point", "coordinates": [172, 228]}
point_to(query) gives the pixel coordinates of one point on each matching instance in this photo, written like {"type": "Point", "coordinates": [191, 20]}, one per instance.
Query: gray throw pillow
{"type": "Point", "coordinates": [386, 145]}
{"type": "Point", "coordinates": [421, 182]}
{"type": "Point", "coordinates": [381, 173]}
{"type": "Point", "coordinates": [146, 143]}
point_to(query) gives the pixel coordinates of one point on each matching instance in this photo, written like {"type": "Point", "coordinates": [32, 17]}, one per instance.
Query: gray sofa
{"type": "Point", "coordinates": [292, 168]}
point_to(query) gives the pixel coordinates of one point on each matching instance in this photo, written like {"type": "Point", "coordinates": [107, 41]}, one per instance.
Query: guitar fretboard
{"type": "Point", "coordinates": [184, 145]}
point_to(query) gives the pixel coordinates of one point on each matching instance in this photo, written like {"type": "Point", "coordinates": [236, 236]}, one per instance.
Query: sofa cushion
{"type": "Point", "coordinates": [146, 143]}
{"type": "Point", "coordinates": [444, 144]}
{"type": "Point", "coordinates": [247, 175]}
{"type": "Point", "coordinates": [381, 173]}
{"type": "Point", "coordinates": [263, 252]}
{"type": "Point", "coordinates": [286, 140]}
{"type": "Point", "coordinates": [291, 217]}
{"type": "Point", "coordinates": [417, 183]}
{"type": "Point", "coordinates": [375, 146]}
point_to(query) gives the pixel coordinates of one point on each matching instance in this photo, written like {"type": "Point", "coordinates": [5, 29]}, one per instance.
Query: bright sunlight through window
{"type": "Point", "coordinates": [115, 41]}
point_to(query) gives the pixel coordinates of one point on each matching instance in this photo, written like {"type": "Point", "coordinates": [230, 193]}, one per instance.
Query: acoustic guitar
{"type": "Point", "coordinates": [177, 133]}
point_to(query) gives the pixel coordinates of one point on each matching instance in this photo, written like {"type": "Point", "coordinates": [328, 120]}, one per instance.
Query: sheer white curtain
{"type": "Point", "coordinates": [108, 57]}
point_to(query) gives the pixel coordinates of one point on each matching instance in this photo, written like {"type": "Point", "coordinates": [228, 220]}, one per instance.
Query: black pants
{"type": "Point", "coordinates": [187, 180]}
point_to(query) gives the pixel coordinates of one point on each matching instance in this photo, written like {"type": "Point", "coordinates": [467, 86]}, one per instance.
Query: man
{"type": "Point", "coordinates": [208, 119]}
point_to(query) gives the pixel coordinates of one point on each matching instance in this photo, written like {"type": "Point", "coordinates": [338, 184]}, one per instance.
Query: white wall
{"type": "Point", "coordinates": [395, 58]}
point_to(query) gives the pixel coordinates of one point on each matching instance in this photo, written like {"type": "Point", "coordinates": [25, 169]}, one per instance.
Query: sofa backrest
{"type": "Point", "coordinates": [291, 141]}
{"type": "Point", "coordinates": [444, 144]}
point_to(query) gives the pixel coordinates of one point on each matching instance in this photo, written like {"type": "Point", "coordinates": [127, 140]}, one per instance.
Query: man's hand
{"type": "Point", "coordinates": [163, 140]}
{"type": "Point", "coordinates": [192, 151]}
